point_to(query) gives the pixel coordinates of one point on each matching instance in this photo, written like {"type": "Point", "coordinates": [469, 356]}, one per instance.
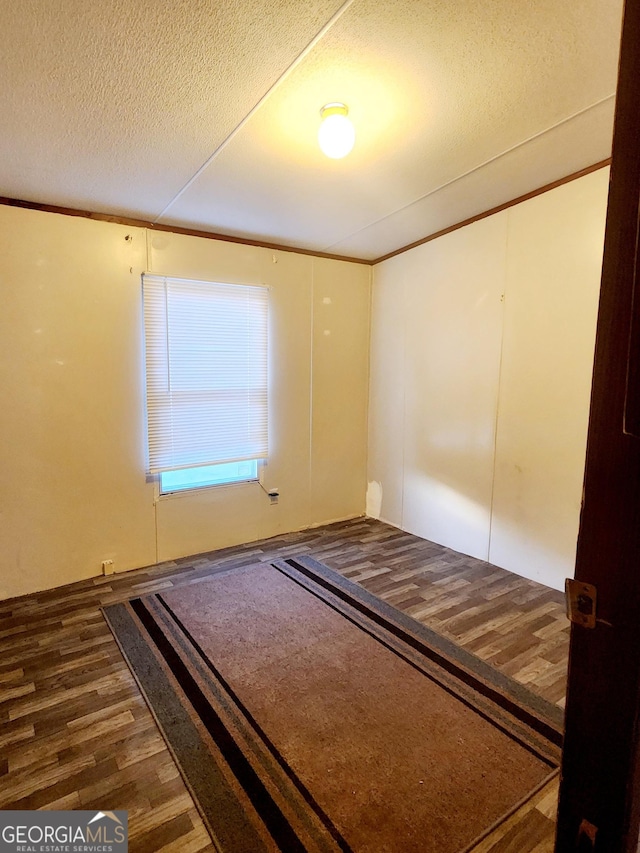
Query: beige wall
{"type": "Point", "coordinates": [452, 353]}
{"type": "Point", "coordinates": [554, 264]}
{"type": "Point", "coordinates": [481, 356]}
{"type": "Point", "coordinates": [73, 490]}
{"type": "Point", "coordinates": [480, 345]}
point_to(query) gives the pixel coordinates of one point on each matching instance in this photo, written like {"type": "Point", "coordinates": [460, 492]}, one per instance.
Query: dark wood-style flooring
{"type": "Point", "coordinates": [75, 732]}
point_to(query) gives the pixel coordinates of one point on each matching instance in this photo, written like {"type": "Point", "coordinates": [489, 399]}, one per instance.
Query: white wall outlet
{"type": "Point", "coordinates": [108, 567]}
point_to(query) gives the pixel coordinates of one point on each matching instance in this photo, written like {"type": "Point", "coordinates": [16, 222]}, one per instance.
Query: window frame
{"type": "Point", "coordinates": [261, 461]}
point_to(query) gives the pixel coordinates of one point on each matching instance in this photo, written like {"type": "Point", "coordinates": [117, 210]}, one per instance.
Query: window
{"type": "Point", "coordinates": [208, 475]}
{"type": "Point", "coordinates": [206, 370]}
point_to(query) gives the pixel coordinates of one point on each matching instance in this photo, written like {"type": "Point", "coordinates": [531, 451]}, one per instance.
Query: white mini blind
{"type": "Point", "coordinates": [206, 367]}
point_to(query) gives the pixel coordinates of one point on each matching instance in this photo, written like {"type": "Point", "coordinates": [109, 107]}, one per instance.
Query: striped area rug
{"type": "Point", "coordinates": [305, 714]}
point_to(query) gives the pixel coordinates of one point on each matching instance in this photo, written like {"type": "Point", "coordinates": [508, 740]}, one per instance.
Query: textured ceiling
{"type": "Point", "coordinates": [205, 115]}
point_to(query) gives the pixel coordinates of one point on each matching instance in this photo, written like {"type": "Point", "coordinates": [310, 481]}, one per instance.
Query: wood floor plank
{"type": "Point", "coordinates": [76, 732]}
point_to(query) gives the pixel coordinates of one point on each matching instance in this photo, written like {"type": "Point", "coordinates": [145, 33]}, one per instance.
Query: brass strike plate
{"type": "Point", "coordinates": [581, 602]}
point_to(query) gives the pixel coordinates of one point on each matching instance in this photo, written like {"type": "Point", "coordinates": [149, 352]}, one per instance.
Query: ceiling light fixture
{"type": "Point", "coordinates": [336, 134]}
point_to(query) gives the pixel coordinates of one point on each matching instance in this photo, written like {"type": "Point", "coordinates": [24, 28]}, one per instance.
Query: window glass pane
{"type": "Point", "coordinates": [208, 475]}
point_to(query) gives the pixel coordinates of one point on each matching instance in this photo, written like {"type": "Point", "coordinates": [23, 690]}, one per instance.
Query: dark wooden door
{"type": "Point", "coordinates": [600, 786]}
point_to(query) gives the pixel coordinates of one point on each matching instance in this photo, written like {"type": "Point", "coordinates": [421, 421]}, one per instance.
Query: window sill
{"type": "Point", "coordinates": [200, 490]}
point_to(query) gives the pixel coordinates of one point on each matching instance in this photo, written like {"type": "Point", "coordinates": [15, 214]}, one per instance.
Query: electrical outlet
{"type": "Point", "coordinates": [107, 567]}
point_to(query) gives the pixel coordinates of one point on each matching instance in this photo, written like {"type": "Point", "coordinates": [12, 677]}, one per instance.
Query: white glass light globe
{"type": "Point", "coordinates": [336, 135]}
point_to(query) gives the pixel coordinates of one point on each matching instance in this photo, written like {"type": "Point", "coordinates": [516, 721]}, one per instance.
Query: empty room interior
{"type": "Point", "coordinates": [293, 443]}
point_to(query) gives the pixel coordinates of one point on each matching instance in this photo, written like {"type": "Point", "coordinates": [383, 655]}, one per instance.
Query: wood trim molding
{"type": "Point", "coordinates": [552, 186]}
{"type": "Point", "coordinates": [261, 244]}
{"type": "Point", "coordinates": [174, 229]}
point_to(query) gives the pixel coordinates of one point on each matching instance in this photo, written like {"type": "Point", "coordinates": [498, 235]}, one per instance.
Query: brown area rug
{"type": "Point", "coordinates": [307, 715]}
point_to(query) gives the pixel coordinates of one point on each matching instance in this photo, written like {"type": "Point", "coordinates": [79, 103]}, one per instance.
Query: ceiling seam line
{"type": "Point", "coordinates": [491, 211]}
{"type": "Point", "coordinates": [288, 70]}
{"type": "Point", "coordinates": [472, 170]}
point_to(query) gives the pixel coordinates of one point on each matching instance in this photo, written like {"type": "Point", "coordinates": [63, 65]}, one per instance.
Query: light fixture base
{"type": "Point", "coordinates": [334, 109]}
